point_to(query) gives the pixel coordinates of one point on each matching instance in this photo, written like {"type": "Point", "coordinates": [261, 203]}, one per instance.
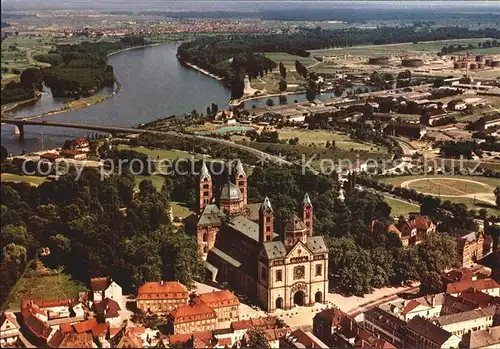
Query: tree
{"type": "Point", "coordinates": [257, 339]}
{"type": "Point", "coordinates": [282, 85]}
{"type": "Point", "coordinates": [497, 196]}
{"type": "Point", "coordinates": [31, 78]}
{"type": "Point", "coordinates": [4, 154]}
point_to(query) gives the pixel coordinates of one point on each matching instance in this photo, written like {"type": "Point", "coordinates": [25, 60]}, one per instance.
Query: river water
{"type": "Point", "coordinates": [153, 85]}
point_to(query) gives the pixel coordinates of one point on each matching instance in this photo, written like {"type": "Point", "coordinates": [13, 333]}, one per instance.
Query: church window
{"type": "Point", "coordinates": [319, 270]}
{"type": "Point", "coordinates": [268, 219]}
{"type": "Point", "coordinates": [268, 228]}
{"type": "Point", "coordinates": [205, 237]}
{"type": "Point", "coordinates": [308, 215]}
{"type": "Point", "coordinates": [279, 275]}
{"type": "Point", "coordinates": [205, 193]}
{"type": "Point", "coordinates": [299, 272]}
{"type": "Point", "coordinates": [205, 186]}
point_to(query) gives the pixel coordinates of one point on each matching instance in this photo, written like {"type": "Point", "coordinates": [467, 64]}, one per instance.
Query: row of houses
{"type": "Point", "coordinates": [465, 317]}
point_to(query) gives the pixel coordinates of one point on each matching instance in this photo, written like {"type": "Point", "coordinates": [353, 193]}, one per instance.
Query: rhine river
{"type": "Point", "coordinates": [153, 85]}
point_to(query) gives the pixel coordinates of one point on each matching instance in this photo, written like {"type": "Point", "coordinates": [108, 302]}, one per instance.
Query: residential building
{"type": "Point", "coordinates": [126, 338]}
{"type": "Point", "coordinates": [427, 307]}
{"type": "Point", "coordinates": [339, 330]}
{"type": "Point", "coordinates": [9, 329]}
{"type": "Point", "coordinates": [105, 287]}
{"type": "Point", "coordinates": [457, 104]}
{"type": "Point", "coordinates": [161, 297]}
{"type": "Point", "coordinates": [192, 318]}
{"type": "Point", "coordinates": [413, 131]}
{"type": "Point", "coordinates": [420, 333]}
{"type": "Point", "coordinates": [108, 309]}
{"type": "Point", "coordinates": [470, 248]}
{"type": "Point", "coordinates": [249, 256]}
{"type": "Point", "coordinates": [488, 286]}
{"type": "Point", "coordinates": [305, 338]}
{"type": "Point", "coordinates": [225, 304]}
{"type": "Point", "coordinates": [34, 321]}
{"type": "Point", "coordinates": [479, 298]}
{"type": "Point", "coordinates": [464, 274]}
{"type": "Point", "coordinates": [461, 323]}
{"type": "Point", "coordinates": [385, 325]}
{"type": "Point", "coordinates": [57, 308]}
{"type": "Point", "coordinates": [482, 339]}
{"type": "Point", "coordinates": [411, 232]}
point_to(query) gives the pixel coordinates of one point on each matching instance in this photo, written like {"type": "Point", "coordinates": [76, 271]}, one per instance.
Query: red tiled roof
{"type": "Point", "coordinates": [204, 336]}
{"type": "Point", "coordinates": [422, 222]}
{"type": "Point", "coordinates": [32, 308]}
{"type": "Point", "coordinates": [479, 298]}
{"type": "Point", "coordinates": [85, 326]}
{"type": "Point", "coordinates": [219, 298]}
{"type": "Point", "coordinates": [107, 307]}
{"type": "Point", "coordinates": [185, 313]}
{"type": "Point", "coordinates": [480, 284]}
{"type": "Point", "coordinates": [410, 306]}
{"type": "Point", "coordinates": [37, 327]}
{"type": "Point", "coordinates": [100, 284]}
{"type": "Point", "coordinates": [264, 323]}
{"type": "Point", "coordinates": [224, 342]}
{"type": "Point", "coordinates": [99, 330]}
{"type": "Point", "coordinates": [162, 290]}
{"type": "Point", "coordinates": [78, 340]}
{"type": "Point", "coordinates": [56, 340]}
{"type": "Point", "coordinates": [65, 327]}
{"type": "Point", "coordinates": [49, 303]}
{"type": "Point", "coordinates": [49, 156]}
{"type": "Point", "coordinates": [126, 338]}
{"type": "Point", "coordinates": [241, 324]}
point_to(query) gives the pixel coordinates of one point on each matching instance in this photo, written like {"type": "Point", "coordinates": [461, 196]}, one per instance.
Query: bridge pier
{"type": "Point", "coordinates": [21, 132]}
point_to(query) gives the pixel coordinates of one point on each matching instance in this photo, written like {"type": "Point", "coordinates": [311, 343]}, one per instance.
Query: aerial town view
{"type": "Point", "coordinates": [250, 174]}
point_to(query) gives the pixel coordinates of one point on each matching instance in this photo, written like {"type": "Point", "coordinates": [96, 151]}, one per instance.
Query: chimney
{"type": "Point", "coordinates": [161, 282]}
{"type": "Point", "coordinates": [433, 300]}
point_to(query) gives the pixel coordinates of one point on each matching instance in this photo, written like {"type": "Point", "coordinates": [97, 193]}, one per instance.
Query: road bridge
{"type": "Point", "coordinates": [21, 123]}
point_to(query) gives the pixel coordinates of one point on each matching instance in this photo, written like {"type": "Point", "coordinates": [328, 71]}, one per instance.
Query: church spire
{"type": "Point", "coordinates": [205, 187]}
{"type": "Point", "coordinates": [241, 181]}
{"type": "Point", "coordinates": [307, 200]}
{"type": "Point", "coordinates": [266, 221]}
{"type": "Point", "coordinates": [307, 214]}
{"type": "Point", "coordinates": [239, 169]}
{"type": "Point", "coordinates": [204, 171]}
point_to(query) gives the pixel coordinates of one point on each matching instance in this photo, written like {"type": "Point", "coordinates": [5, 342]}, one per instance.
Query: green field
{"type": "Point", "coordinates": [33, 180]}
{"type": "Point", "coordinates": [170, 154]}
{"type": "Point", "coordinates": [400, 208]}
{"type": "Point", "coordinates": [396, 181]}
{"type": "Point", "coordinates": [37, 286]}
{"type": "Point", "coordinates": [157, 181]}
{"type": "Point", "coordinates": [180, 210]}
{"type": "Point", "coordinates": [395, 49]}
{"type": "Point", "coordinates": [320, 137]}
{"type": "Point", "coordinates": [449, 186]}
{"type": "Point", "coordinates": [289, 60]}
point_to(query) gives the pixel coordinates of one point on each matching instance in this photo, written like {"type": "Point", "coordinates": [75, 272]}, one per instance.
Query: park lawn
{"type": "Point", "coordinates": [289, 60]}
{"type": "Point", "coordinates": [33, 180]}
{"type": "Point", "coordinates": [37, 286]}
{"type": "Point", "coordinates": [399, 208]}
{"type": "Point", "coordinates": [179, 209]}
{"type": "Point", "coordinates": [476, 205]}
{"type": "Point", "coordinates": [320, 137]}
{"type": "Point", "coordinates": [157, 153]}
{"type": "Point", "coordinates": [446, 187]}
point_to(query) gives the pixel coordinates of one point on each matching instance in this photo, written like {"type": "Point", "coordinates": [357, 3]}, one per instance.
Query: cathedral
{"type": "Point", "coordinates": [241, 248]}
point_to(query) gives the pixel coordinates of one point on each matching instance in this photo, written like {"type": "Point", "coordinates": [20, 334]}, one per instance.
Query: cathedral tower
{"type": "Point", "coordinates": [205, 193]}
{"type": "Point", "coordinates": [241, 181]}
{"type": "Point", "coordinates": [307, 214]}
{"type": "Point", "coordinates": [266, 221]}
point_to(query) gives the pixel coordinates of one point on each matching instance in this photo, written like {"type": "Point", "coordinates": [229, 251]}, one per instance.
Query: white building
{"type": "Point", "coordinates": [473, 320]}
{"type": "Point", "coordinates": [105, 287]}
{"type": "Point", "coordinates": [9, 329]}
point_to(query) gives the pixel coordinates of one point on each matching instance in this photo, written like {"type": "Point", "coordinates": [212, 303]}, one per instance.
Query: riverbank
{"type": "Point", "coordinates": [237, 102]}
{"type": "Point", "coordinates": [203, 71]}
{"type": "Point", "coordinates": [16, 105]}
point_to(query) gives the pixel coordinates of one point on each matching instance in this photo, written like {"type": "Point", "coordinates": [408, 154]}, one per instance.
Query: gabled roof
{"type": "Point", "coordinates": [211, 215]}
{"type": "Point", "coordinates": [316, 244]}
{"type": "Point", "coordinates": [107, 307]}
{"type": "Point", "coordinates": [100, 284]}
{"type": "Point", "coordinates": [466, 316]}
{"type": "Point", "coordinates": [480, 284]}
{"type": "Point", "coordinates": [126, 338]}
{"type": "Point", "coordinates": [85, 326]}
{"type": "Point", "coordinates": [413, 304]}
{"type": "Point", "coordinates": [10, 317]}
{"type": "Point", "coordinates": [205, 337]}
{"type": "Point", "coordinates": [56, 339]}
{"type": "Point", "coordinates": [224, 256]}
{"type": "Point", "coordinates": [77, 340]}
{"type": "Point", "coordinates": [38, 327]}
{"type": "Point", "coordinates": [274, 250]}
{"type": "Point", "coordinates": [483, 338]}
{"type": "Point", "coordinates": [428, 330]}
{"type": "Point", "coordinates": [479, 298]}
{"type": "Point", "coordinates": [239, 169]}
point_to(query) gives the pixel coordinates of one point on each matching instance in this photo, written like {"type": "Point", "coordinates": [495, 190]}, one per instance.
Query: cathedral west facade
{"type": "Point", "coordinates": [241, 247]}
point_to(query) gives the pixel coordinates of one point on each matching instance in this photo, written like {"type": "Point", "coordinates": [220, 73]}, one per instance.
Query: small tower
{"type": "Point", "coordinates": [266, 221]}
{"type": "Point", "coordinates": [241, 181]}
{"type": "Point", "coordinates": [205, 193]}
{"type": "Point", "coordinates": [307, 214]}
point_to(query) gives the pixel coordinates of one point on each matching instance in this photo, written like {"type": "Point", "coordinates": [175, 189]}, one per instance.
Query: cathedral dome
{"type": "Point", "coordinates": [230, 191]}
{"type": "Point", "coordinates": [294, 224]}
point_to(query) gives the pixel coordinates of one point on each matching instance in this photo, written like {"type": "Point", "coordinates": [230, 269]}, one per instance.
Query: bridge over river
{"type": "Point", "coordinates": [21, 123]}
